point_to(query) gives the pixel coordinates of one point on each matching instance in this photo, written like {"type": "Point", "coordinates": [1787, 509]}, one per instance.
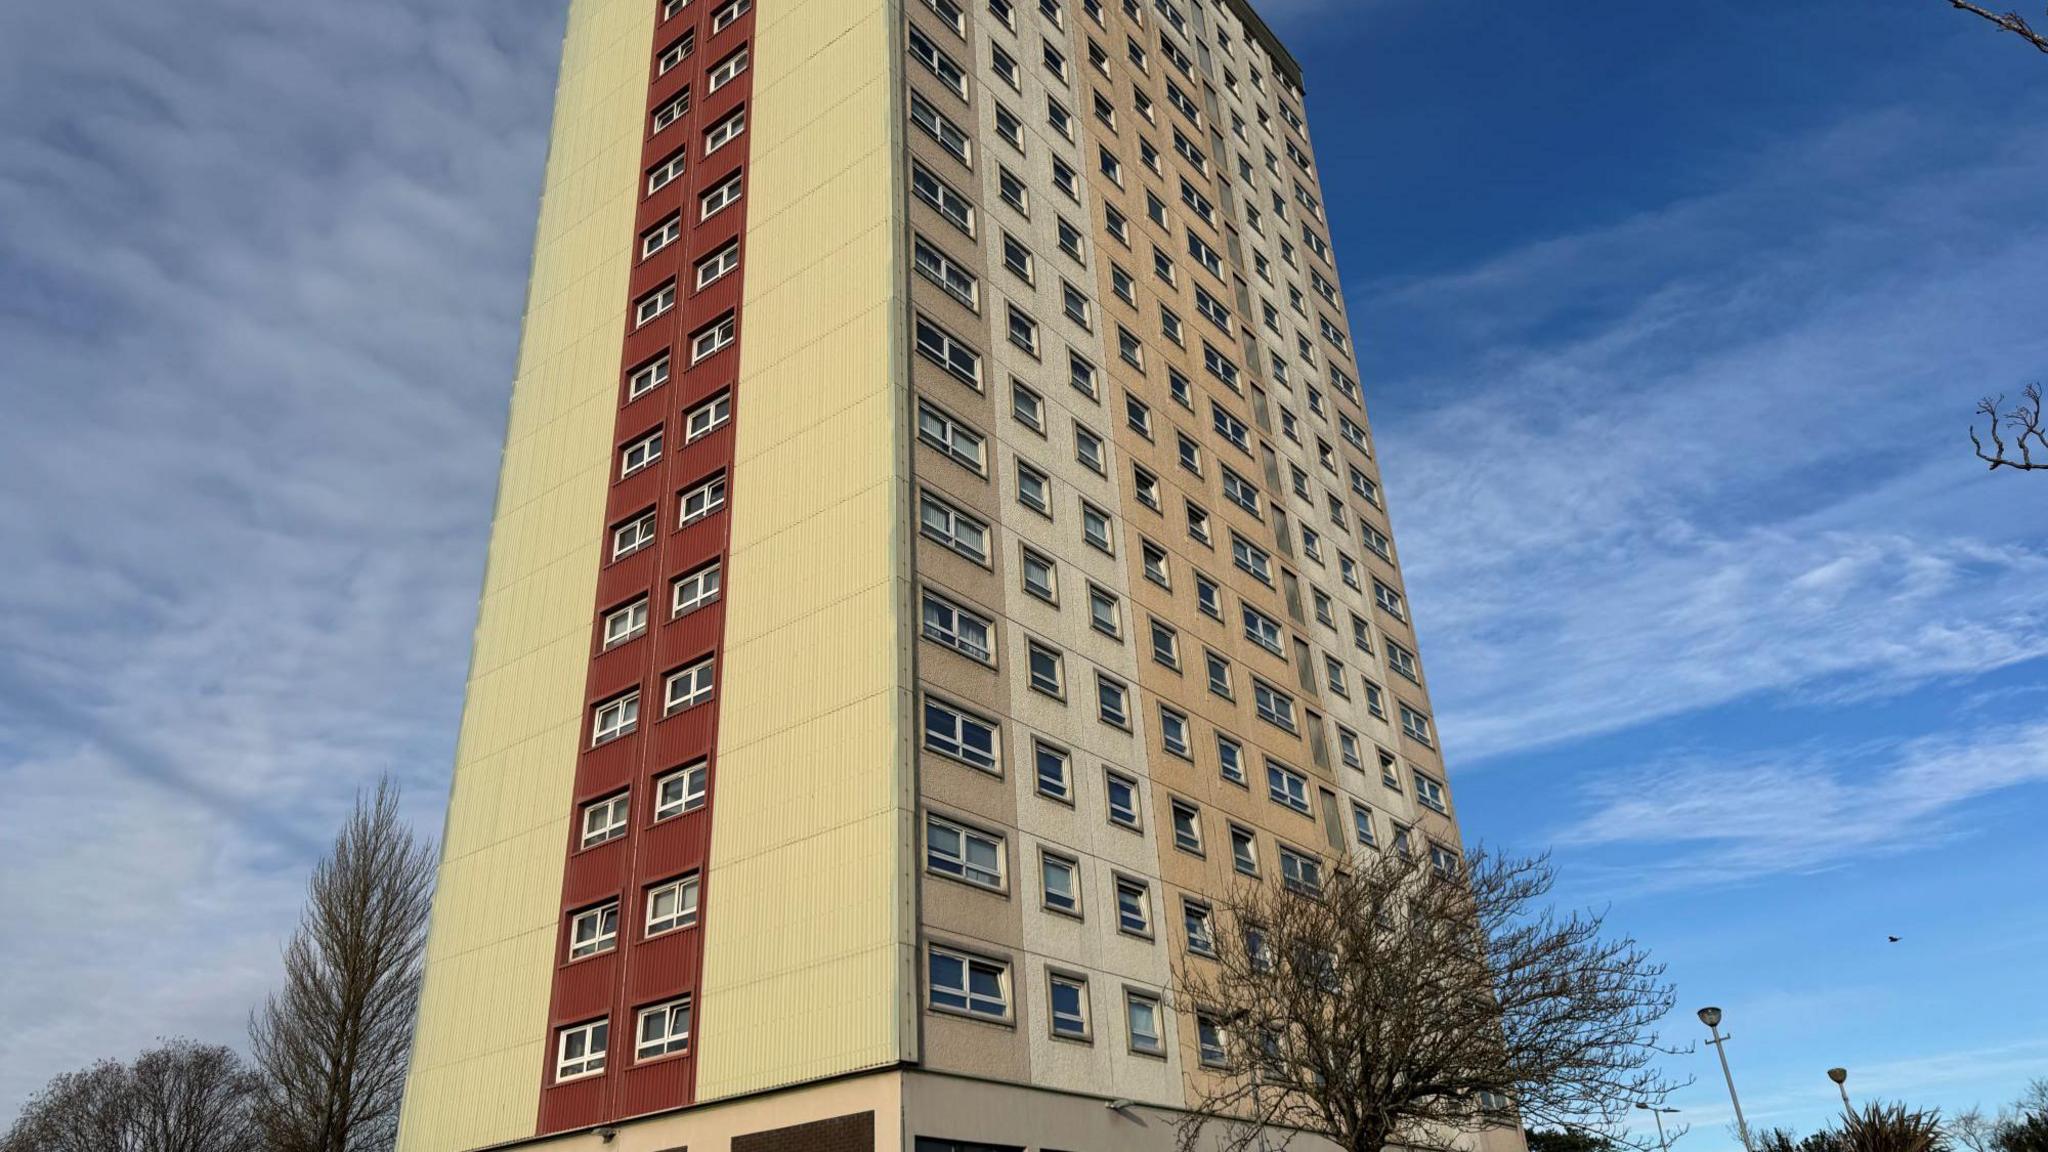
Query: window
{"type": "Point", "coordinates": [950, 437]}
{"type": "Point", "coordinates": [647, 377]}
{"type": "Point", "coordinates": [640, 453]}
{"type": "Point", "coordinates": [667, 172]}
{"type": "Point", "coordinates": [1017, 258]}
{"type": "Point", "coordinates": [672, 905]}
{"type": "Point", "coordinates": [725, 131]}
{"type": "Point", "coordinates": [661, 236]}
{"type": "Point", "coordinates": [1113, 702]}
{"type": "Point", "coordinates": [1090, 451]}
{"type": "Point", "coordinates": [1261, 629]}
{"type": "Point", "coordinates": [1300, 872]}
{"type": "Point", "coordinates": [1208, 596]}
{"type": "Point", "coordinates": [1286, 786]}
{"type": "Point", "coordinates": [718, 265]}
{"type": "Point", "coordinates": [1416, 725]}
{"type": "Point", "coordinates": [1244, 851]}
{"type": "Point", "coordinates": [1430, 794]}
{"type": "Point", "coordinates": [961, 735]}
{"type": "Point", "coordinates": [672, 111]}
{"type": "Point", "coordinates": [947, 525]}
{"type": "Point", "coordinates": [1083, 375]}
{"type": "Point", "coordinates": [727, 70]}
{"type": "Point", "coordinates": [1173, 733]}
{"type": "Point", "coordinates": [1200, 927]}
{"type": "Point", "coordinates": [942, 348]}
{"type": "Point", "coordinates": [1389, 601]}
{"type": "Point", "coordinates": [964, 631]}
{"type": "Point", "coordinates": [1045, 670]}
{"type": "Point", "coordinates": [604, 820]}
{"type": "Point", "coordinates": [695, 589]}
{"type": "Point", "coordinates": [704, 499]}
{"type": "Point", "coordinates": [1230, 758]}
{"type": "Point", "coordinates": [679, 791]}
{"type": "Point", "coordinates": [1187, 827]}
{"type": "Point", "coordinates": [1122, 793]}
{"type": "Point", "coordinates": [627, 623]}
{"type": "Point", "coordinates": [1403, 662]}
{"type": "Point", "coordinates": [942, 197]}
{"type": "Point", "coordinates": [713, 338]}
{"type": "Point", "coordinates": [707, 418]}
{"type": "Point", "coordinates": [580, 1049]}
{"type": "Point", "coordinates": [962, 853]}
{"type": "Point", "coordinates": [1041, 578]}
{"type": "Point", "coordinates": [942, 270]}
{"type": "Point", "coordinates": [1104, 613]}
{"type": "Point", "coordinates": [654, 304]}
{"type": "Point", "coordinates": [721, 196]}
{"type": "Point", "coordinates": [1095, 528]}
{"type": "Point", "coordinates": [615, 718]}
{"type": "Point", "coordinates": [1059, 878]}
{"type": "Point", "coordinates": [1212, 1041]}
{"type": "Point", "coordinates": [937, 62]}
{"type": "Point", "coordinates": [594, 930]}
{"type": "Point", "coordinates": [688, 688]}
{"type": "Point", "coordinates": [1272, 705]}
{"type": "Point", "coordinates": [1141, 1011]}
{"type": "Point", "coordinates": [935, 125]}
{"type": "Point", "coordinates": [724, 17]}
{"type": "Point", "coordinates": [1068, 996]}
{"type": "Point", "coordinates": [1361, 825]}
{"type": "Point", "coordinates": [1034, 489]}
{"type": "Point", "coordinates": [664, 1028]}
{"type": "Point", "coordinates": [1133, 907]}
{"type": "Point", "coordinates": [968, 984]}
{"type": "Point", "coordinates": [1023, 330]}
{"type": "Point", "coordinates": [1054, 770]}
{"type": "Point", "coordinates": [1027, 406]}
{"type": "Point", "coordinates": [1444, 860]}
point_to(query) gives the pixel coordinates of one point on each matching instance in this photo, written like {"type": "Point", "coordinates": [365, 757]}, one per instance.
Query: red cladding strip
{"type": "Point", "coordinates": [692, 407]}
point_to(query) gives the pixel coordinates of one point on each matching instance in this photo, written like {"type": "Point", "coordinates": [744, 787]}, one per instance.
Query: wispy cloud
{"type": "Point", "coordinates": [1721, 819]}
{"type": "Point", "coordinates": [1711, 452]}
{"type": "Point", "coordinates": [260, 272]}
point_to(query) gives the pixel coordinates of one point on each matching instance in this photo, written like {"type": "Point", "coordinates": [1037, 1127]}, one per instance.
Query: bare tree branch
{"type": "Point", "coordinates": [1399, 1001]}
{"type": "Point", "coordinates": [177, 1097]}
{"type": "Point", "coordinates": [2010, 21]}
{"type": "Point", "coordinates": [333, 1045]}
{"type": "Point", "coordinates": [2026, 425]}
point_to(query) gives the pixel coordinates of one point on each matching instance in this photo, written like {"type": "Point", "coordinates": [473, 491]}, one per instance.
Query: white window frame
{"type": "Point", "coordinates": [668, 1039]}
{"type": "Point", "coordinates": [688, 687]}
{"type": "Point", "coordinates": [686, 892]}
{"type": "Point", "coordinates": [594, 1037]}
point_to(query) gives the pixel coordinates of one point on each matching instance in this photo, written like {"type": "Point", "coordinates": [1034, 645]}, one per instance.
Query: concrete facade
{"type": "Point", "coordinates": [992, 354]}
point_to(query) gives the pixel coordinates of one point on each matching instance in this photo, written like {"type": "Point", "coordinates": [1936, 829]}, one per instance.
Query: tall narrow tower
{"type": "Point", "coordinates": [939, 549]}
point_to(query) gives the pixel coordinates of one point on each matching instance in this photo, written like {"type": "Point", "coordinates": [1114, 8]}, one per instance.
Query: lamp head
{"type": "Point", "coordinates": [1839, 1075]}
{"type": "Point", "coordinates": [1711, 1017]}
{"type": "Point", "coordinates": [1643, 1106]}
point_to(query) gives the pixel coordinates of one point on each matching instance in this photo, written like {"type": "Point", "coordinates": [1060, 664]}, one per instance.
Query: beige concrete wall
{"type": "Point", "coordinates": [712, 1127]}
{"type": "Point", "coordinates": [478, 1052]}
{"type": "Point", "coordinates": [807, 955]}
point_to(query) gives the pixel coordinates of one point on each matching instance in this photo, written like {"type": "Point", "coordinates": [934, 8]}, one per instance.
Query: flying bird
{"type": "Point", "coordinates": [1893, 939]}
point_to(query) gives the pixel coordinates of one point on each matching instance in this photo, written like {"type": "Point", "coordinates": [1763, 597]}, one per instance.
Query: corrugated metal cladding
{"type": "Point", "coordinates": [808, 955]}
{"type": "Point", "coordinates": [491, 948]}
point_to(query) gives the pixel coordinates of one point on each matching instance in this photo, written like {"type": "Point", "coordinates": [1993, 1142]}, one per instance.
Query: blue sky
{"type": "Point", "coordinates": [1672, 319]}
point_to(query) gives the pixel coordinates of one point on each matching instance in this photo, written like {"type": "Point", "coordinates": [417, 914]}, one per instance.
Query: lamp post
{"type": "Point", "coordinates": [1841, 1078]}
{"type": "Point", "coordinates": [1662, 1144]}
{"type": "Point", "coordinates": [1711, 1017]}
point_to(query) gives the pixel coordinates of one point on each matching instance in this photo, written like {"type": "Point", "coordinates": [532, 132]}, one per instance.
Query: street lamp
{"type": "Point", "coordinates": [1659, 1113]}
{"type": "Point", "coordinates": [1711, 1017]}
{"type": "Point", "coordinates": [1841, 1078]}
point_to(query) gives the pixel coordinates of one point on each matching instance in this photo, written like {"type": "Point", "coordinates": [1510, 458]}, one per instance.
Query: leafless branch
{"type": "Point", "coordinates": [1400, 1004]}
{"type": "Point", "coordinates": [333, 1045]}
{"type": "Point", "coordinates": [177, 1097]}
{"type": "Point", "coordinates": [2023, 422]}
{"type": "Point", "coordinates": [2010, 21]}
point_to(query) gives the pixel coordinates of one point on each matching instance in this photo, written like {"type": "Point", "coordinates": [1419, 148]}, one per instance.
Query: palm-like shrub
{"type": "Point", "coordinates": [1892, 1128]}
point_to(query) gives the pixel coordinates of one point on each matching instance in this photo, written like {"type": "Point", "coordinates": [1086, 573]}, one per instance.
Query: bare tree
{"type": "Point", "coordinates": [2023, 1127]}
{"type": "Point", "coordinates": [2010, 21]}
{"type": "Point", "coordinates": [1407, 1001]}
{"type": "Point", "coordinates": [2024, 422]}
{"type": "Point", "coordinates": [333, 1044]}
{"type": "Point", "coordinates": [177, 1097]}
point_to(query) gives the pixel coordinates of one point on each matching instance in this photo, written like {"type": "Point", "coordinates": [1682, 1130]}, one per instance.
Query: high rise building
{"type": "Point", "coordinates": [939, 549]}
